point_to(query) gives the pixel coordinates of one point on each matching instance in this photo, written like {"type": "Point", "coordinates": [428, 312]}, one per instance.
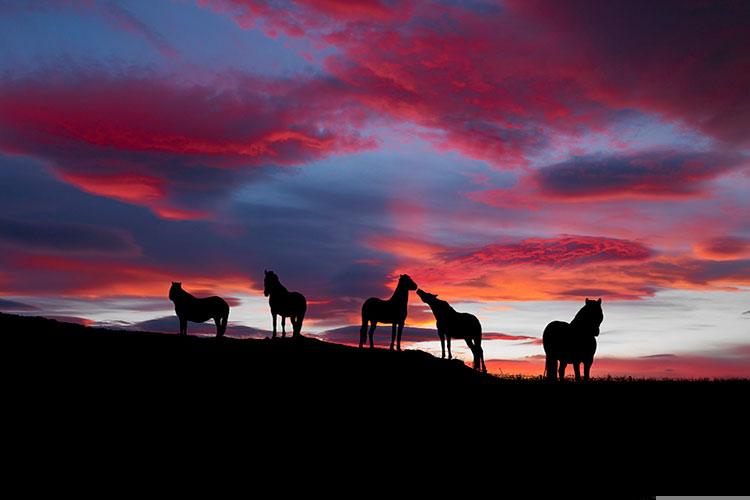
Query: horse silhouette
{"type": "Point", "coordinates": [393, 311]}
{"type": "Point", "coordinates": [190, 308]}
{"type": "Point", "coordinates": [287, 304]}
{"type": "Point", "coordinates": [573, 342]}
{"type": "Point", "coordinates": [453, 324]}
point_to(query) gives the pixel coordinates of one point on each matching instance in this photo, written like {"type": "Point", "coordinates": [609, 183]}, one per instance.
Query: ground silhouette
{"type": "Point", "coordinates": [392, 311]}
{"type": "Point", "coordinates": [453, 324]}
{"type": "Point", "coordinates": [573, 343]}
{"type": "Point", "coordinates": [284, 303]}
{"type": "Point", "coordinates": [190, 308]}
{"type": "Point", "coordinates": [303, 395]}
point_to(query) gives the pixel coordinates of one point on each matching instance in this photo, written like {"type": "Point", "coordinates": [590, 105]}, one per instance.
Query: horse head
{"type": "Point", "coordinates": [406, 282]}
{"type": "Point", "coordinates": [269, 281]}
{"type": "Point", "coordinates": [175, 289]}
{"type": "Point", "coordinates": [592, 315]}
{"type": "Point", "coordinates": [427, 298]}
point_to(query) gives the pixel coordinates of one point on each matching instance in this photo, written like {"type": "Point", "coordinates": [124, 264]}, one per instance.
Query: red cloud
{"type": "Point", "coordinates": [500, 82]}
{"type": "Point", "coordinates": [46, 274]}
{"type": "Point", "coordinates": [562, 251]}
{"type": "Point", "coordinates": [725, 248]}
{"type": "Point", "coordinates": [146, 141]}
{"type": "Point", "coordinates": [559, 269]}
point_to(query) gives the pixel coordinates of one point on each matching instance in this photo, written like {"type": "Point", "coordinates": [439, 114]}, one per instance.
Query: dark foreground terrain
{"type": "Point", "coordinates": [61, 374]}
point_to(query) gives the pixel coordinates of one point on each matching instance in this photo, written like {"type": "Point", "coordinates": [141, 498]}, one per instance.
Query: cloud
{"type": "Point", "coordinates": [349, 335]}
{"type": "Point", "coordinates": [163, 145]}
{"type": "Point", "coordinates": [66, 238]}
{"type": "Point", "coordinates": [568, 250]}
{"type": "Point", "coordinates": [654, 174]}
{"type": "Point", "coordinates": [170, 324]}
{"type": "Point", "coordinates": [14, 306]}
{"type": "Point", "coordinates": [683, 59]}
{"type": "Point", "coordinates": [113, 14]}
{"type": "Point", "coordinates": [563, 268]}
{"type": "Point", "coordinates": [501, 83]}
{"type": "Point", "coordinates": [724, 248]}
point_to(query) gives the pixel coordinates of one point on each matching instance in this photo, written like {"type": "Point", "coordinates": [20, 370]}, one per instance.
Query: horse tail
{"type": "Point", "coordinates": [478, 346]}
{"type": "Point", "coordinates": [550, 342]}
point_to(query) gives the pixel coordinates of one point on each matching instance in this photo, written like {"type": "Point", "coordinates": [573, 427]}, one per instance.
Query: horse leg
{"type": "Point", "coordinates": [217, 320]}
{"type": "Point", "coordinates": [183, 326]}
{"type": "Point", "coordinates": [274, 325]}
{"type": "Point", "coordinates": [393, 334]}
{"type": "Point", "coordinates": [587, 368]}
{"type": "Point", "coordinates": [372, 331]}
{"type": "Point", "coordinates": [298, 326]}
{"type": "Point", "coordinates": [480, 351]}
{"type": "Point", "coordinates": [363, 333]}
{"type": "Point", "coordinates": [398, 340]}
{"type": "Point", "coordinates": [577, 370]}
{"type": "Point", "coordinates": [473, 350]}
{"type": "Point", "coordinates": [551, 368]}
{"type": "Point", "coordinates": [283, 326]}
{"type": "Point", "coordinates": [561, 371]}
{"type": "Point", "coordinates": [442, 343]}
{"type": "Point", "coordinates": [448, 338]}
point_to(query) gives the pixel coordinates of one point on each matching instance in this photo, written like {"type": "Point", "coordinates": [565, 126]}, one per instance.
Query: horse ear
{"type": "Point", "coordinates": [588, 301]}
{"type": "Point", "coordinates": [599, 301]}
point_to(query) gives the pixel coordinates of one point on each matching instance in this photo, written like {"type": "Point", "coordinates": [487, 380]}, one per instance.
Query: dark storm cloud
{"type": "Point", "coordinates": [647, 174]}
{"type": "Point", "coordinates": [66, 237]}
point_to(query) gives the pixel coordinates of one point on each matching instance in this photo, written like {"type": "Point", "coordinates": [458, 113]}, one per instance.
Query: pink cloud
{"type": "Point", "coordinates": [146, 140]}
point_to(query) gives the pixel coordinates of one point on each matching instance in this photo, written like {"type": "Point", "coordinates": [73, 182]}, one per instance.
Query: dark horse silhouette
{"type": "Point", "coordinates": [287, 304]}
{"type": "Point", "coordinates": [573, 342]}
{"type": "Point", "coordinates": [453, 324]}
{"type": "Point", "coordinates": [393, 311]}
{"type": "Point", "coordinates": [189, 308]}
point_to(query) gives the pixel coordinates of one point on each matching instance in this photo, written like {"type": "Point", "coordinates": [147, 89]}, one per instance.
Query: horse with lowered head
{"type": "Point", "coordinates": [190, 308]}
{"type": "Point", "coordinates": [392, 311]}
{"type": "Point", "coordinates": [573, 342]}
{"type": "Point", "coordinates": [284, 303]}
{"type": "Point", "coordinates": [453, 324]}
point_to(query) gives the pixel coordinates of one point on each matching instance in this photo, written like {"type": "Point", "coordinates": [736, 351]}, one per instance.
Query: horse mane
{"type": "Point", "coordinates": [177, 292]}
{"type": "Point", "coordinates": [276, 282]}
{"type": "Point", "coordinates": [444, 306]}
{"type": "Point", "coordinates": [585, 317]}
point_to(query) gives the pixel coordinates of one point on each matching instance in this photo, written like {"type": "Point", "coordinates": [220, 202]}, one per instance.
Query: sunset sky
{"type": "Point", "coordinates": [514, 157]}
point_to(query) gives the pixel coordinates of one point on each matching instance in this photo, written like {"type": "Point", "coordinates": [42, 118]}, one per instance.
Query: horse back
{"type": "Point", "coordinates": [383, 311]}
{"type": "Point", "coordinates": [461, 326]}
{"type": "Point", "coordinates": [200, 310]}
{"type": "Point", "coordinates": [554, 336]}
{"type": "Point", "coordinates": [289, 304]}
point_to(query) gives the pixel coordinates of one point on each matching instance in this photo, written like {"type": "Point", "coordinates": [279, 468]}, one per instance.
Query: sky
{"type": "Point", "coordinates": [514, 157]}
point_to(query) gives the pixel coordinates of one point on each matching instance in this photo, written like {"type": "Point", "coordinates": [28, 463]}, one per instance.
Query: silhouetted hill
{"type": "Point", "coordinates": [64, 379]}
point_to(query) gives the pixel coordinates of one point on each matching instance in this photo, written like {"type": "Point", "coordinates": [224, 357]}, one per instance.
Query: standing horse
{"type": "Point", "coordinates": [393, 311]}
{"type": "Point", "coordinates": [453, 324]}
{"type": "Point", "coordinates": [189, 308]}
{"type": "Point", "coordinates": [573, 342]}
{"type": "Point", "coordinates": [287, 304]}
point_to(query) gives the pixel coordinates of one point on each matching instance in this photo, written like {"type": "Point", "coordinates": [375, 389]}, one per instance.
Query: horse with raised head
{"type": "Point", "coordinates": [453, 324]}
{"type": "Point", "coordinates": [284, 303]}
{"type": "Point", "coordinates": [392, 311]}
{"type": "Point", "coordinates": [190, 308]}
{"type": "Point", "coordinates": [573, 343]}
